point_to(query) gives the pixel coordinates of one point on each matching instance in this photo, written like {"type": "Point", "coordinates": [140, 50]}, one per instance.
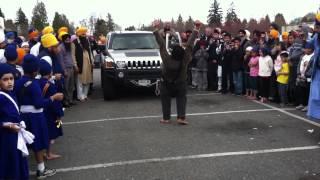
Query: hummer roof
{"type": "Point", "coordinates": [131, 32]}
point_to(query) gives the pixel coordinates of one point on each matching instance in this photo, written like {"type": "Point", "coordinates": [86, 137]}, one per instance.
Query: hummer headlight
{"type": "Point", "coordinates": [108, 62]}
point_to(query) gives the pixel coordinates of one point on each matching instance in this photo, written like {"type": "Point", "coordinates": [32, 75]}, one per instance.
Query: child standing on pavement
{"type": "Point", "coordinates": [303, 82]}
{"type": "Point", "coordinates": [246, 68]}
{"type": "Point", "coordinates": [265, 71]}
{"type": "Point", "coordinates": [13, 165]}
{"type": "Point", "coordinates": [254, 71]}
{"type": "Point", "coordinates": [283, 79]}
{"type": "Point", "coordinates": [31, 104]}
{"type": "Point", "coordinates": [202, 66]}
{"type": "Point", "coordinates": [53, 112]}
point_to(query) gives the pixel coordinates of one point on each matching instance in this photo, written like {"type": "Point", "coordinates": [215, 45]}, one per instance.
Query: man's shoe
{"type": "Point", "coordinates": [162, 121]}
{"type": "Point", "coordinates": [182, 122]}
{"type": "Point", "coordinates": [305, 109]}
{"type": "Point", "coordinates": [46, 173]}
{"type": "Point", "coordinates": [300, 107]}
{"type": "Point", "coordinates": [193, 87]}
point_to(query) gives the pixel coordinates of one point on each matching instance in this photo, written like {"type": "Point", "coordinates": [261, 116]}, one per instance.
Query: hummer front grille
{"type": "Point", "coordinates": [151, 64]}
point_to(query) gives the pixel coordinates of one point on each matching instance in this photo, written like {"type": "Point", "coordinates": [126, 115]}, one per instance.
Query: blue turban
{"type": "Point", "coordinates": [10, 35]}
{"type": "Point", "coordinates": [45, 68]}
{"type": "Point", "coordinates": [30, 64]}
{"type": "Point", "coordinates": [5, 69]}
{"type": "Point", "coordinates": [309, 46]}
{"type": "Point", "coordinates": [11, 53]}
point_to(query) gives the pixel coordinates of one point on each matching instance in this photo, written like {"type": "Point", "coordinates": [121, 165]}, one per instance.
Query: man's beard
{"type": "Point", "coordinates": [67, 46]}
{"type": "Point", "coordinates": [84, 42]}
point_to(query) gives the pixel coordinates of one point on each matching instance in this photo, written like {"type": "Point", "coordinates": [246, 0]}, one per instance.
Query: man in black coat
{"type": "Point", "coordinates": [214, 59]}
{"type": "Point", "coordinates": [227, 76]}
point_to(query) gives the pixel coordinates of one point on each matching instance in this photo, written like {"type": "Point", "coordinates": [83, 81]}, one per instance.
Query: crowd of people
{"type": "Point", "coordinates": [265, 66]}
{"type": "Point", "coordinates": [42, 76]}
{"type": "Point", "coordinates": [39, 78]}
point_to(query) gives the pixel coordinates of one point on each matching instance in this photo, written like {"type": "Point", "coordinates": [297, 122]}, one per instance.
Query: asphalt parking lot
{"type": "Point", "coordinates": [229, 138]}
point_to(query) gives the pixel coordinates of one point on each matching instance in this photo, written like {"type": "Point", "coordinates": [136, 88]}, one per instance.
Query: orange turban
{"type": "Point", "coordinates": [33, 34]}
{"type": "Point", "coordinates": [21, 53]}
{"type": "Point", "coordinates": [274, 34]}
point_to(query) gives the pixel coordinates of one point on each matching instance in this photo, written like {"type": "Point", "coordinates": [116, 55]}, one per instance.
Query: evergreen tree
{"type": "Point", "coordinates": [60, 20]}
{"type": "Point", "coordinates": [189, 24]}
{"type": "Point", "coordinates": [162, 24]}
{"type": "Point", "coordinates": [130, 28]}
{"type": "Point", "coordinates": [10, 25]}
{"type": "Point", "coordinates": [244, 24]}
{"type": "Point", "coordinates": [232, 23]}
{"type": "Point", "coordinates": [1, 14]}
{"type": "Point", "coordinates": [84, 22]}
{"type": "Point", "coordinates": [215, 14]}
{"type": "Point", "coordinates": [22, 23]}
{"type": "Point", "coordinates": [101, 28]}
{"type": "Point", "coordinates": [268, 22]}
{"type": "Point", "coordinates": [180, 24]}
{"type": "Point", "coordinates": [295, 21]}
{"type": "Point", "coordinates": [110, 23]}
{"type": "Point", "coordinates": [72, 28]}
{"type": "Point", "coordinates": [264, 24]}
{"type": "Point", "coordinates": [173, 24]}
{"type": "Point", "coordinates": [280, 20]}
{"type": "Point", "coordinates": [146, 28]}
{"type": "Point", "coordinates": [92, 22]}
{"type": "Point", "coordinates": [308, 17]}
{"type": "Point", "coordinates": [231, 14]}
{"type": "Point", "coordinates": [252, 25]}
{"type": "Point", "coordinates": [39, 18]}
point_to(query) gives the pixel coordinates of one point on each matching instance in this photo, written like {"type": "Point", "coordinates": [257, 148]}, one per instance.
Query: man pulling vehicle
{"type": "Point", "coordinates": [174, 74]}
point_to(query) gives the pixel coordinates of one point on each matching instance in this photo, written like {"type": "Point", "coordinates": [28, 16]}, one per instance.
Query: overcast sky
{"type": "Point", "coordinates": [138, 12]}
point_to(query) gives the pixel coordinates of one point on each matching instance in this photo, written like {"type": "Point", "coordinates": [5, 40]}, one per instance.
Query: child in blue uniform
{"type": "Point", "coordinates": [54, 111]}
{"type": "Point", "coordinates": [11, 56]}
{"type": "Point", "coordinates": [32, 103]}
{"type": "Point", "coordinates": [13, 166]}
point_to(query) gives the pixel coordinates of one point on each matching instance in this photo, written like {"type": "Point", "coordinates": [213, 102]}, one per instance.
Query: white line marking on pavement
{"type": "Point", "coordinates": [177, 158]}
{"type": "Point", "coordinates": [289, 114]}
{"type": "Point", "coordinates": [159, 116]}
{"type": "Point", "coordinates": [203, 94]}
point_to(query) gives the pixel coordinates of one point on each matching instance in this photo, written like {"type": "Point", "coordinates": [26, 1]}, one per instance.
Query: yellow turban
{"type": "Point", "coordinates": [63, 29]}
{"type": "Point", "coordinates": [317, 20]}
{"type": "Point", "coordinates": [47, 30]}
{"type": "Point", "coordinates": [81, 31]}
{"type": "Point", "coordinates": [285, 35]}
{"type": "Point", "coordinates": [318, 17]}
{"type": "Point", "coordinates": [49, 40]}
{"type": "Point", "coordinates": [62, 34]}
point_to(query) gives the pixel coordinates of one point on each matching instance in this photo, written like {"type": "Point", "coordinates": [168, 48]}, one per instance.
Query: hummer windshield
{"type": "Point", "coordinates": [133, 41]}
